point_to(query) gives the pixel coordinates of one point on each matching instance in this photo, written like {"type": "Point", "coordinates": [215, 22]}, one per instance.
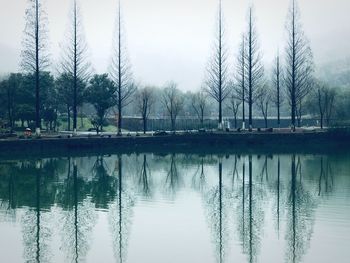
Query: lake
{"type": "Point", "coordinates": [165, 208]}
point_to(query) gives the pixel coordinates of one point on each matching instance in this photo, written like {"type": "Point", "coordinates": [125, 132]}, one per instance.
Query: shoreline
{"type": "Point", "coordinates": [221, 142]}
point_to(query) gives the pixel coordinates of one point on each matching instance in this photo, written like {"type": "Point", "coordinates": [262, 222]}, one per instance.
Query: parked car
{"type": "Point", "coordinates": [160, 133]}
{"type": "Point", "coordinates": [7, 134]}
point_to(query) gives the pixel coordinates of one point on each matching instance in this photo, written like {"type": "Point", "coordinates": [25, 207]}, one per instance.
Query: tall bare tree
{"type": "Point", "coordinates": [199, 104]}
{"type": "Point", "coordinates": [35, 53]}
{"type": "Point", "coordinates": [277, 95]}
{"type": "Point", "coordinates": [145, 102]}
{"type": "Point", "coordinates": [263, 101]}
{"type": "Point", "coordinates": [240, 87]}
{"type": "Point", "coordinates": [120, 71]}
{"type": "Point", "coordinates": [173, 102]}
{"type": "Point", "coordinates": [323, 99]}
{"type": "Point", "coordinates": [253, 66]}
{"type": "Point", "coordinates": [233, 105]}
{"type": "Point", "coordinates": [74, 58]}
{"type": "Point", "coordinates": [299, 62]}
{"type": "Point", "coordinates": [216, 84]}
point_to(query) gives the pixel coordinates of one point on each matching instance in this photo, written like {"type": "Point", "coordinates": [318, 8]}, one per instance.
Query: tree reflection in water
{"type": "Point", "coordinates": [120, 214]}
{"type": "Point", "coordinates": [277, 189]}
{"type": "Point", "coordinates": [300, 215]}
{"type": "Point", "coordinates": [173, 180]}
{"type": "Point", "coordinates": [198, 178]}
{"type": "Point", "coordinates": [78, 216]}
{"type": "Point", "coordinates": [34, 227]}
{"type": "Point", "coordinates": [236, 193]}
{"type": "Point", "coordinates": [103, 190]}
{"type": "Point", "coordinates": [217, 204]}
{"type": "Point", "coordinates": [326, 179]}
{"type": "Point", "coordinates": [144, 178]}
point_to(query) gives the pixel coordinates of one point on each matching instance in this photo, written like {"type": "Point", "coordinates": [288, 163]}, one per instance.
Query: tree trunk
{"type": "Point", "coordinates": [173, 124]}
{"type": "Point", "coordinates": [68, 118]}
{"type": "Point", "coordinates": [144, 125]}
{"type": "Point", "coordinates": [81, 118]}
{"type": "Point", "coordinates": [293, 113]}
{"type": "Point", "coordinates": [119, 121]}
{"type": "Point", "coordinates": [278, 117]}
{"type": "Point", "coordinates": [75, 72]}
{"type": "Point", "coordinates": [250, 93]}
{"type": "Point", "coordinates": [202, 119]}
{"type": "Point", "coordinates": [299, 117]}
{"type": "Point", "coordinates": [9, 109]}
{"type": "Point", "coordinates": [220, 115]}
{"type": "Point", "coordinates": [55, 122]}
{"type": "Point", "coordinates": [37, 70]}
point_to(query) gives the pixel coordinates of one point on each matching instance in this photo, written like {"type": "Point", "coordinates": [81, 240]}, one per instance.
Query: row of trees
{"type": "Point", "coordinates": [74, 68]}
{"type": "Point", "coordinates": [37, 95]}
{"type": "Point", "coordinates": [249, 85]}
{"type": "Point", "coordinates": [97, 99]}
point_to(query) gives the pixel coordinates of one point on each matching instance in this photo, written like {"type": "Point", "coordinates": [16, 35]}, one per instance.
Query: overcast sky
{"type": "Point", "coordinates": [172, 39]}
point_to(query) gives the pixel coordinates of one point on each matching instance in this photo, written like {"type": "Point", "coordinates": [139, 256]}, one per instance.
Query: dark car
{"type": "Point", "coordinates": [160, 133]}
{"type": "Point", "coordinates": [8, 134]}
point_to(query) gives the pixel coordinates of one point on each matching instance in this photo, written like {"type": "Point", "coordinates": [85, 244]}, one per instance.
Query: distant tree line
{"type": "Point", "coordinates": [38, 98]}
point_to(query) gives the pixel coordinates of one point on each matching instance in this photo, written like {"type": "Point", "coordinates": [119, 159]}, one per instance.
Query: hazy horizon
{"type": "Point", "coordinates": [172, 39]}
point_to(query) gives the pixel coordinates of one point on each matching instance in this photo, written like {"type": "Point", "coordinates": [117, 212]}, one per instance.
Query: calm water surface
{"type": "Point", "coordinates": [176, 208]}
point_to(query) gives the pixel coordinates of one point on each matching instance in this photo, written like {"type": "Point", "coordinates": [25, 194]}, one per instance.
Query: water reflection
{"type": "Point", "coordinates": [241, 196]}
{"type": "Point", "coordinates": [121, 213]}
{"type": "Point", "coordinates": [77, 216]}
{"type": "Point", "coordinates": [217, 203]}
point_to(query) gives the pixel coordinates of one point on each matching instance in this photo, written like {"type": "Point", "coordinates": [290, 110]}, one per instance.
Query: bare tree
{"type": "Point", "coordinates": [173, 102]}
{"type": "Point", "coordinates": [299, 62]}
{"type": "Point", "coordinates": [199, 104]}
{"type": "Point", "coordinates": [325, 102]}
{"type": "Point", "coordinates": [254, 69]}
{"type": "Point", "coordinates": [145, 101]}
{"type": "Point", "coordinates": [120, 71]}
{"type": "Point", "coordinates": [74, 58]}
{"type": "Point", "coordinates": [216, 84]}
{"type": "Point", "coordinates": [240, 77]}
{"type": "Point", "coordinates": [277, 98]}
{"type": "Point", "coordinates": [233, 105]}
{"type": "Point", "coordinates": [263, 101]}
{"type": "Point", "coordinates": [35, 53]}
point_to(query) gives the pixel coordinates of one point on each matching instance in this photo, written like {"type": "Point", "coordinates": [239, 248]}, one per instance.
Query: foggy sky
{"type": "Point", "coordinates": [172, 39]}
